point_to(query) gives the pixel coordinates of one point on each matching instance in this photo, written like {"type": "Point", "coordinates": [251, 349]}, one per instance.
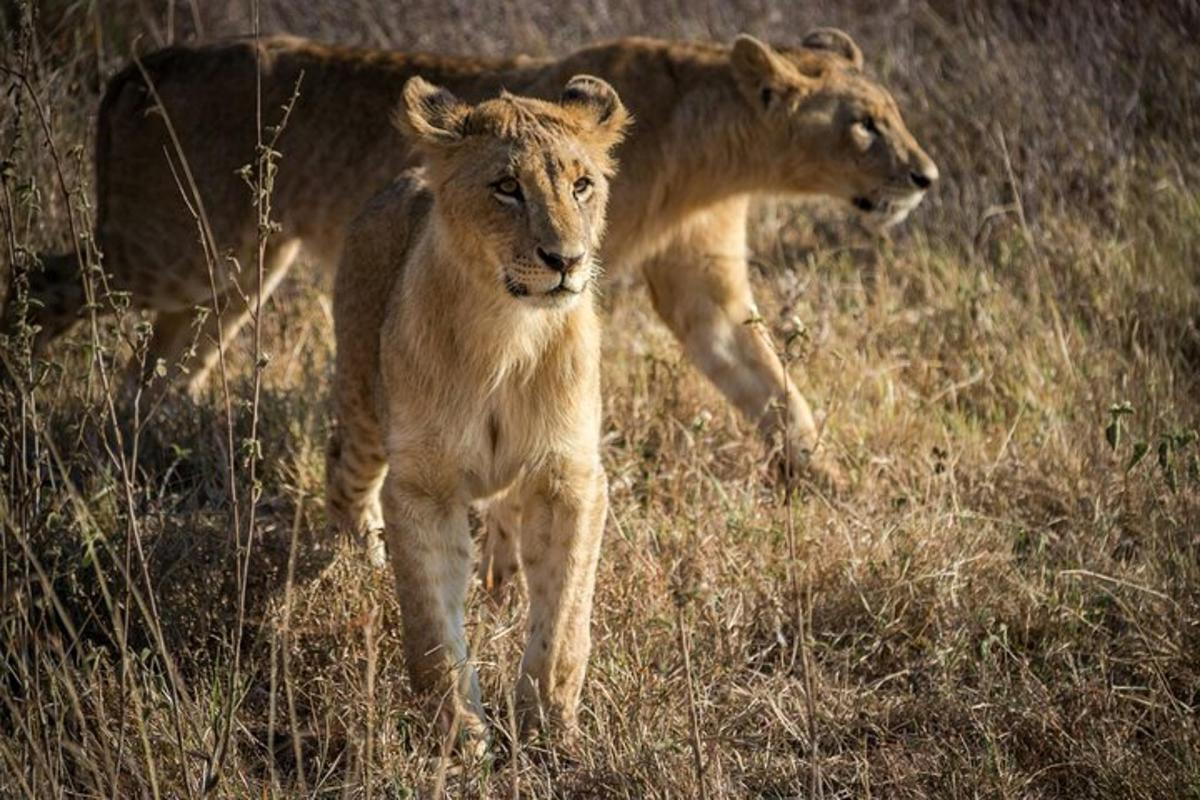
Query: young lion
{"type": "Point", "coordinates": [468, 355]}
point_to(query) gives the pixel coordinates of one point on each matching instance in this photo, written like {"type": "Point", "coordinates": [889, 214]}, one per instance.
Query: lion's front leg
{"type": "Point", "coordinates": [429, 544]}
{"type": "Point", "coordinates": [700, 287]}
{"type": "Point", "coordinates": [562, 529]}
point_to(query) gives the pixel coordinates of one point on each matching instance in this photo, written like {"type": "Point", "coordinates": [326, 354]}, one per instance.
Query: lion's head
{"type": "Point", "coordinates": [522, 183]}
{"type": "Point", "coordinates": [829, 128]}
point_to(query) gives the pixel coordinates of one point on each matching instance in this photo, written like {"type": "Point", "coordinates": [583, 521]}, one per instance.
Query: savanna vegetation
{"type": "Point", "coordinates": [1005, 603]}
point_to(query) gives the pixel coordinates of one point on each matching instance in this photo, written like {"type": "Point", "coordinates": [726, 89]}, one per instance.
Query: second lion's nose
{"type": "Point", "coordinates": [921, 180]}
{"type": "Point", "coordinates": [559, 262]}
{"type": "Point", "coordinates": [925, 175]}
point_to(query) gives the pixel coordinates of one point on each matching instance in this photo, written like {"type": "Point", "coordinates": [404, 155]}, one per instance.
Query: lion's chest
{"type": "Point", "coordinates": [506, 439]}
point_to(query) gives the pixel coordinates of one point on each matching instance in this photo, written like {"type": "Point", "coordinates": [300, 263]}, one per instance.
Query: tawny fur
{"type": "Point", "coordinates": [715, 125]}
{"type": "Point", "coordinates": [467, 370]}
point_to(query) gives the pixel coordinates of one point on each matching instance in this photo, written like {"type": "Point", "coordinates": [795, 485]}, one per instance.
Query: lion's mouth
{"type": "Point", "coordinates": [887, 211]}
{"type": "Point", "coordinates": [561, 290]}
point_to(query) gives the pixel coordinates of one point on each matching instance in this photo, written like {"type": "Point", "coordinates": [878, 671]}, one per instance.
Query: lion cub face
{"type": "Point", "coordinates": [815, 100]}
{"type": "Point", "coordinates": [529, 177]}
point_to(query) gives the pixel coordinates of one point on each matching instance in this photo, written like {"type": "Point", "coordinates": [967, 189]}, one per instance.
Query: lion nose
{"type": "Point", "coordinates": [924, 177]}
{"type": "Point", "coordinates": [559, 262]}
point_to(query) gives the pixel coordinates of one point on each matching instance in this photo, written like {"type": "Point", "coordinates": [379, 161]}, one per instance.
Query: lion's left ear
{"type": "Point", "coordinates": [836, 41]}
{"type": "Point", "coordinates": [762, 75]}
{"type": "Point", "coordinates": [430, 115]}
{"type": "Point", "coordinates": [599, 103]}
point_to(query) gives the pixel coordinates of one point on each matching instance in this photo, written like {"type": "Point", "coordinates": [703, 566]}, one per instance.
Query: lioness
{"type": "Point", "coordinates": [716, 124]}
{"type": "Point", "coordinates": [468, 352]}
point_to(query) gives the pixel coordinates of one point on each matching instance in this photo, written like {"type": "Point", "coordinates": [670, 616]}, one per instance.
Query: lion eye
{"type": "Point", "coordinates": [864, 133]}
{"type": "Point", "coordinates": [583, 187]}
{"type": "Point", "coordinates": [507, 189]}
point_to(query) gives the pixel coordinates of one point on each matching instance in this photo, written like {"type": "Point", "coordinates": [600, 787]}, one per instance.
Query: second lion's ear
{"type": "Point", "coordinates": [429, 114]}
{"type": "Point", "coordinates": [836, 41]}
{"type": "Point", "coordinates": [599, 102]}
{"type": "Point", "coordinates": [759, 71]}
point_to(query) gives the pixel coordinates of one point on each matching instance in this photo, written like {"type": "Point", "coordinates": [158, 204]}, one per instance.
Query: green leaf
{"type": "Point", "coordinates": [1165, 448]}
{"type": "Point", "coordinates": [1113, 432]}
{"type": "Point", "coordinates": [1120, 409]}
{"type": "Point", "coordinates": [1139, 452]}
{"type": "Point", "coordinates": [1172, 481]}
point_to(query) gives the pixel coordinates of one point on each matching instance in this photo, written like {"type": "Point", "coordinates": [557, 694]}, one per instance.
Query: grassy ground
{"type": "Point", "coordinates": [1004, 605]}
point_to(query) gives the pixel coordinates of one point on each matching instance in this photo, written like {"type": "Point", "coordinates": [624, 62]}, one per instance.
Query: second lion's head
{"type": "Point", "coordinates": [830, 129]}
{"type": "Point", "coordinates": [522, 183]}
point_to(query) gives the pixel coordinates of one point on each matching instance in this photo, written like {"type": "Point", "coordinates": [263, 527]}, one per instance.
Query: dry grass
{"type": "Point", "coordinates": [1000, 608]}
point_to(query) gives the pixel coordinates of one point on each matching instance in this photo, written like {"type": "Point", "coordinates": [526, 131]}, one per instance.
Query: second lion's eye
{"type": "Point", "coordinates": [507, 189]}
{"type": "Point", "coordinates": [583, 187]}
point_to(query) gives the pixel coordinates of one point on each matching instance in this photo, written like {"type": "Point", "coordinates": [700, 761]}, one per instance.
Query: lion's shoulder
{"type": "Point", "coordinates": [386, 226]}
{"type": "Point", "coordinates": [407, 194]}
{"type": "Point", "coordinates": [378, 242]}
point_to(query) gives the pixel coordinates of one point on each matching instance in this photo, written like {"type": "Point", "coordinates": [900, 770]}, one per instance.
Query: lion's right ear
{"type": "Point", "coordinates": [429, 114]}
{"type": "Point", "coordinates": [835, 41]}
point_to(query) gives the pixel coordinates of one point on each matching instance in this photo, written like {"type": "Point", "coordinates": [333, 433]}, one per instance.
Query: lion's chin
{"type": "Point", "coordinates": [879, 215]}
{"type": "Point", "coordinates": [556, 292]}
{"type": "Point", "coordinates": [559, 297]}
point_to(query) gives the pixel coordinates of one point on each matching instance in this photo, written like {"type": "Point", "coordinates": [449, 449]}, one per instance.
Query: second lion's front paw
{"type": "Point", "coordinates": [808, 467]}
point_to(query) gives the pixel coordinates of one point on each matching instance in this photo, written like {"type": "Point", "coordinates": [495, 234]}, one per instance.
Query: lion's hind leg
{"type": "Point", "coordinates": [355, 466]}
{"type": "Point", "coordinates": [500, 551]}
{"type": "Point", "coordinates": [55, 300]}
